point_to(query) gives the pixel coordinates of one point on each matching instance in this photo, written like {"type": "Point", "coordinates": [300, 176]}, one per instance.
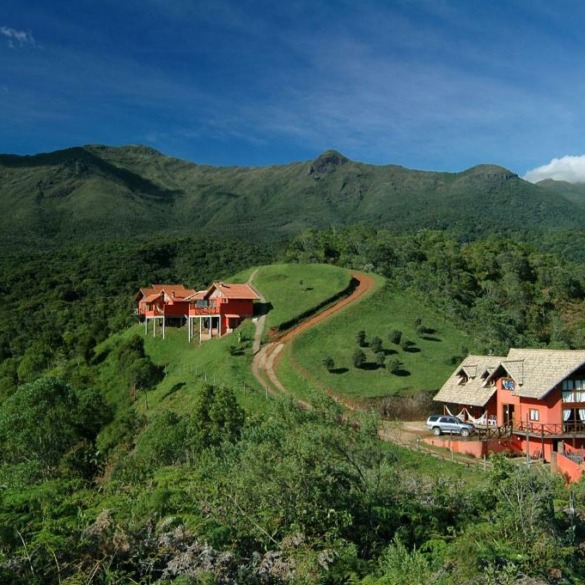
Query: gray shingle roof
{"type": "Point", "coordinates": [535, 371]}
{"type": "Point", "coordinates": [477, 390]}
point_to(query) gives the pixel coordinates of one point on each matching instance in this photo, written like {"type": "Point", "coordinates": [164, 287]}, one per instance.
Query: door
{"type": "Point", "coordinates": [508, 413]}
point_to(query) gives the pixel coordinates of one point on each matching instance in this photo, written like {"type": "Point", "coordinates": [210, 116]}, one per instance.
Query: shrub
{"type": "Point", "coordinates": [328, 362]}
{"type": "Point", "coordinates": [376, 344]}
{"type": "Point", "coordinates": [393, 366]}
{"type": "Point", "coordinates": [361, 338]}
{"type": "Point", "coordinates": [359, 358]}
{"type": "Point", "coordinates": [395, 336]}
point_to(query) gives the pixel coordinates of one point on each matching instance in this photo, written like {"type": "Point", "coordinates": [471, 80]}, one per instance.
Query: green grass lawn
{"type": "Point", "coordinates": [222, 361]}
{"type": "Point", "coordinates": [424, 366]}
{"type": "Point", "coordinates": [188, 366]}
{"type": "Point", "coordinates": [227, 360]}
{"type": "Point", "coordinates": [293, 289]}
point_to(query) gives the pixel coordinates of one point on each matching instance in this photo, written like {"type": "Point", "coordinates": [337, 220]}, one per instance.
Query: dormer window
{"type": "Point", "coordinates": [462, 378]}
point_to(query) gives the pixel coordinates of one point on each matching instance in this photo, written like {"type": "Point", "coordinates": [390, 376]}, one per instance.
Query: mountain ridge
{"type": "Point", "coordinates": [97, 192]}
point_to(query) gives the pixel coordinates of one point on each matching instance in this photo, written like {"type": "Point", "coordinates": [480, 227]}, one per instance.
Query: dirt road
{"type": "Point", "coordinates": [265, 360]}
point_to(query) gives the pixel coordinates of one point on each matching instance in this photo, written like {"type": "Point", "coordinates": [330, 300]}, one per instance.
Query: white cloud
{"type": "Point", "coordinates": [567, 168]}
{"type": "Point", "coordinates": [17, 38]}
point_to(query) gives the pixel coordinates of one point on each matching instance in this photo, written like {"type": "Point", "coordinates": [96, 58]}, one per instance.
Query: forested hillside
{"type": "Point", "coordinates": [128, 459]}
{"type": "Point", "coordinates": [96, 193]}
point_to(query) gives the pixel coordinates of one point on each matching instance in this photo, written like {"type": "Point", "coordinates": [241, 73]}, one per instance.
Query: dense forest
{"type": "Point", "coordinates": [96, 193]}
{"type": "Point", "coordinates": [94, 489]}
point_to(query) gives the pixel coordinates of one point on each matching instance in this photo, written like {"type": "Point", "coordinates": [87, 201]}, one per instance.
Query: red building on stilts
{"type": "Point", "coordinates": [218, 309]}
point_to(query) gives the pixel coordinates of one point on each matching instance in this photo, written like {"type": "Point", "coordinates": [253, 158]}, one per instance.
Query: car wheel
{"type": "Point", "coordinates": [465, 432]}
{"type": "Point", "coordinates": [436, 431]}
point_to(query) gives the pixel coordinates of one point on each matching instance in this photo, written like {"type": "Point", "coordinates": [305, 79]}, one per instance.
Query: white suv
{"type": "Point", "coordinates": [440, 424]}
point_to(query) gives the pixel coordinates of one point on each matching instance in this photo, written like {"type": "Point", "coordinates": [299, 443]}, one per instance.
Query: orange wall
{"type": "Point", "coordinates": [549, 408]}
{"type": "Point", "coordinates": [177, 309]}
{"type": "Point", "coordinates": [474, 448]}
{"type": "Point", "coordinates": [244, 308]}
{"type": "Point", "coordinates": [571, 470]}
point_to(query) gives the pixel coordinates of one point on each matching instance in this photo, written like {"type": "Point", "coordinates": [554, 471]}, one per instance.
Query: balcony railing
{"type": "Point", "coordinates": [565, 428]}
{"type": "Point", "coordinates": [196, 309]}
{"type": "Point", "coordinates": [154, 312]}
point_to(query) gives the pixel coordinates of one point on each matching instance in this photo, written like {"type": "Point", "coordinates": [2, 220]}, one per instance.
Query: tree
{"type": "Point", "coordinates": [380, 358]}
{"type": "Point", "coordinates": [143, 374]}
{"type": "Point", "coordinates": [33, 364]}
{"type": "Point", "coordinates": [395, 336]}
{"type": "Point", "coordinates": [328, 362]}
{"type": "Point", "coordinates": [361, 338]}
{"type": "Point", "coordinates": [393, 366]}
{"type": "Point", "coordinates": [359, 358]}
{"type": "Point", "coordinates": [218, 417]}
{"type": "Point", "coordinates": [376, 344]}
{"type": "Point", "coordinates": [41, 421]}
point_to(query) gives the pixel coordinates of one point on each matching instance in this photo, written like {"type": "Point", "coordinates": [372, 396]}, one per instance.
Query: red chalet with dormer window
{"type": "Point", "coordinates": [537, 396]}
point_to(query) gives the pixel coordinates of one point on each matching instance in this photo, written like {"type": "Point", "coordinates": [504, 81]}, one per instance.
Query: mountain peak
{"type": "Point", "coordinates": [327, 162]}
{"type": "Point", "coordinates": [490, 171]}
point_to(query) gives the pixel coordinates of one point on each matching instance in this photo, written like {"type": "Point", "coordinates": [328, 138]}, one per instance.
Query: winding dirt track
{"type": "Point", "coordinates": [266, 359]}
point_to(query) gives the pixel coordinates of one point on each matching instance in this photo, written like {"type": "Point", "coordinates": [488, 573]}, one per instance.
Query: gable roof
{"type": "Point", "coordinates": [152, 297]}
{"type": "Point", "coordinates": [233, 291]}
{"type": "Point", "coordinates": [177, 291]}
{"type": "Point", "coordinates": [476, 391]}
{"type": "Point", "coordinates": [537, 371]}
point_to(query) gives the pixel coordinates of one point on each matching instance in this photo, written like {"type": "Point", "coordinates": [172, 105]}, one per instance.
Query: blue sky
{"type": "Point", "coordinates": [428, 84]}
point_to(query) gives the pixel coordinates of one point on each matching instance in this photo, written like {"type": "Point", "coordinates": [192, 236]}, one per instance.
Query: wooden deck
{"type": "Point", "coordinates": [563, 432]}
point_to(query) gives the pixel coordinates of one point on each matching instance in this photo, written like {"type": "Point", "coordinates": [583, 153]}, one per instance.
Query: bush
{"type": "Point", "coordinates": [359, 358]}
{"type": "Point", "coordinates": [380, 358]}
{"type": "Point", "coordinates": [393, 366]}
{"type": "Point", "coordinates": [376, 344]}
{"type": "Point", "coordinates": [328, 362]}
{"type": "Point", "coordinates": [361, 338]}
{"type": "Point", "coordinates": [395, 336]}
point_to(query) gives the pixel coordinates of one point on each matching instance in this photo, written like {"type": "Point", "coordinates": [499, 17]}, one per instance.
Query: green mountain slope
{"type": "Point", "coordinates": [100, 192]}
{"type": "Point", "coordinates": [574, 192]}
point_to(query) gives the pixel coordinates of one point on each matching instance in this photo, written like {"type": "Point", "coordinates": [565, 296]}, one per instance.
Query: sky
{"type": "Point", "coordinates": [438, 85]}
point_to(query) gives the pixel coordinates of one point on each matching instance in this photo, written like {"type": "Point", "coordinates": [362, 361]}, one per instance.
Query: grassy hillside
{"type": "Point", "coordinates": [99, 192]}
{"type": "Point", "coordinates": [293, 289]}
{"type": "Point", "coordinates": [182, 484]}
{"type": "Point", "coordinates": [424, 364]}
{"type": "Point", "coordinates": [223, 361]}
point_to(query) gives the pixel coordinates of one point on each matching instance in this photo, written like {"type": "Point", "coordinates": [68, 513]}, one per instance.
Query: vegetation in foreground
{"type": "Point", "coordinates": [159, 473]}
{"type": "Point", "coordinates": [292, 496]}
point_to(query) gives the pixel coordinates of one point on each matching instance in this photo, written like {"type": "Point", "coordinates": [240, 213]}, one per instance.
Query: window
{"type": "Point", "coordinates": [534, 414]}
{"type": "Point", "coordinates": [573, 390]}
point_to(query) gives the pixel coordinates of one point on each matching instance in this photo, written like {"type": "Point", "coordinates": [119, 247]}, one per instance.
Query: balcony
{"type": "Point", "coordinates": [203, 309]}
{"type": "Point", "coordinates": [565, 430]}
{"type": "Point", "coordinates": [152, 312]}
